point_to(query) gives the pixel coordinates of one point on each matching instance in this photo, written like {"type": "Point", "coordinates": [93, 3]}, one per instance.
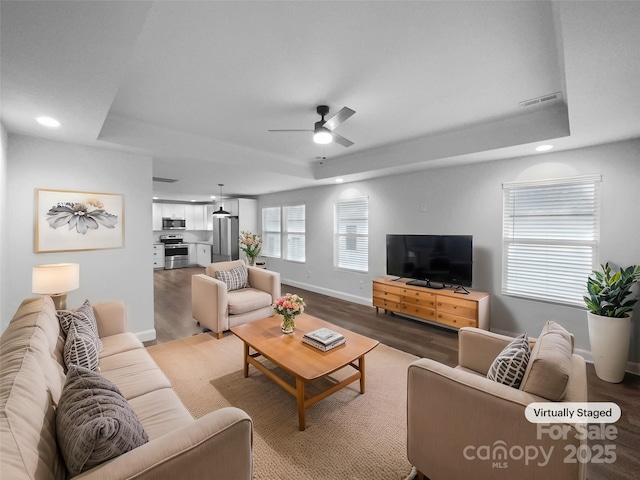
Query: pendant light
{"type": "Point", "coordinates": [220, 213]}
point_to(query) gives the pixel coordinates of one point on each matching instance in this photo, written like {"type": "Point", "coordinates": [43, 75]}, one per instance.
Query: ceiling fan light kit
{"type": "Point", "coordinates": [323, 133]}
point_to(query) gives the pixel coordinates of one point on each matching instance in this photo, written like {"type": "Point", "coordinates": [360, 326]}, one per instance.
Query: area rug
{"type": "Point", "coordinates": [348, 435]}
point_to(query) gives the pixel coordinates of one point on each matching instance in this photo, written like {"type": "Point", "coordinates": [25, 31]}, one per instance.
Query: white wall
{"type": "Point", "coordinates": [468, 200]}
{"type": "Point", "coordinates": [4, 227]}
{"type": "Point", "coordinates": [117, 274]}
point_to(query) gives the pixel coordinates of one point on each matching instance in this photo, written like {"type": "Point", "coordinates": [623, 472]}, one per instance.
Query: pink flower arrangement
{"type": "Point", "coordinates": [290, 305]}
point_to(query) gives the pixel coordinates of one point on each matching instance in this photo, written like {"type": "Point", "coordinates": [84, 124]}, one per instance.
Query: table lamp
{"type": "Point", "coordinates": [56, 280]}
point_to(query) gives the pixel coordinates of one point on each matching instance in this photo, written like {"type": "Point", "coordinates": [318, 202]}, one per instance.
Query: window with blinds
{"type": "Point", "coordinates": [294, 232]}
{"type": "Point", "coordinates": [271, 232]}
{"type": "Point", "coordinates": [351, 230]}
{"type": "Point", "coordinates": [551, 231]}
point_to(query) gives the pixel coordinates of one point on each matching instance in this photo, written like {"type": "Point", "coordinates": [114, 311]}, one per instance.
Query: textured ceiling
{"type": "Point", "coordinates": [197, 85]}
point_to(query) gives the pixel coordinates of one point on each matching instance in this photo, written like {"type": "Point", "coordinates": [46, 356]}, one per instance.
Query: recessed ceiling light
{"type": "Point", "coordinates": [339, 180]}
{"type": "Point", "coordinates": [48, 122]}
{"type": "Point", "coordinates": [155, 198]}
{"type": "Point", "coordinates": [212, 197]}
{"type": "Point", "coordinates": [543, 148]}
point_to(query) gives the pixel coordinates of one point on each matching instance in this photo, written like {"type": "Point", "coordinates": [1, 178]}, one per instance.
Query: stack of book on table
{"type": "Point", "coordinates": [323, 339]}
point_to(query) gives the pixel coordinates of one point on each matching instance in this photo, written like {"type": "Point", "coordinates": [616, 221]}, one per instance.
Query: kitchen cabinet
{"type": "Point", "coordinates": [173, 210]}
{"type": "Point", "coordinates": [195, 217]}
{"type": "Point", "coordinates": [158, 255]}
{"type": "Point", "coordinates": [203, 254]}
{"type": "Point", "coordinates": [246, 209]}
{"type": "Point", "coordinates": [193, 254]}
{"type": "Point", "coordinates": [156, 209]}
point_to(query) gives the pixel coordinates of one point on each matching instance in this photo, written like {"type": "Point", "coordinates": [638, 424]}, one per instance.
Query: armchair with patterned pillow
{"type": "Point", "coordinates": [469, 421]}
{"type": "Point", "coordinates": [231, 293]}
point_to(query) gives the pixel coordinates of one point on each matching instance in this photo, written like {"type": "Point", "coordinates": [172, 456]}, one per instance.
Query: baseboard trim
{"type": "Point", "coordinates": [331, 293]}
{"type": "Point", "coordinates": [147, 335]}
{"type": "Point", "coordinates": [632, 367]}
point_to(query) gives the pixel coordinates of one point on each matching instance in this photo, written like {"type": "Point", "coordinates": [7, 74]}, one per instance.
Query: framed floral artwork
{"type": "Point", "coordinates": [69, 220]}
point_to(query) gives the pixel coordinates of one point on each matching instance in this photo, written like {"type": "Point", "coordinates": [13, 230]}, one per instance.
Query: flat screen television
{"type": "Point", "coordinates": [444, 259]}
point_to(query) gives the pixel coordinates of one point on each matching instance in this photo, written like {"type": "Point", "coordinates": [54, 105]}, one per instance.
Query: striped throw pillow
{"type": "Point", "coordinates": [509, 366]}
{"type": "Point", "coordinates": [236, 278]}
{"type": "Point", "coordinates": [80, 349]}
{"type": "Point", "coordinates": [82, 314]}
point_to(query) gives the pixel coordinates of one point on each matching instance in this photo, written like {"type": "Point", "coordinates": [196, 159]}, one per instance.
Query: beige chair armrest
{"type": "Point", "coordinates": [209, 302]}
{"type": "Point", "coordinates": [478, 348]}
{"type": "Point", "coordinates": [451, 409]}
{"type": "Point", "coordinates": [111, 318]}
{"type": "Point", "coordinates": [265, 280]}
{"type": "Point", "coordinates": [218, 445]}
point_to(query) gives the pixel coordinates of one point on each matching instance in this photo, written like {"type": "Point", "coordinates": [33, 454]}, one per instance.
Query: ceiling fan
{"type": "Point", "coordinates": [323, 130]}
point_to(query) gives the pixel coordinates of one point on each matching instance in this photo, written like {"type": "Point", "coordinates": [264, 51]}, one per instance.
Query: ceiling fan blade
{"type": "Point", "coordinates": [338, 118]}
{"type": "Point", "coordinates": [341, 140]}
{"type": "Point", "coordinates": [289, 130]}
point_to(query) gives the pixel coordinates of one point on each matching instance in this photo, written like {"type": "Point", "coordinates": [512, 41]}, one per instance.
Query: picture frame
{"type": "Point", "coordinates": [68, 220]}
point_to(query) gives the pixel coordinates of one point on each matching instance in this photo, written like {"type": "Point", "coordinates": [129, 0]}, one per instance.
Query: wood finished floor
{"type": "Point", "coordinates": [172, 302]}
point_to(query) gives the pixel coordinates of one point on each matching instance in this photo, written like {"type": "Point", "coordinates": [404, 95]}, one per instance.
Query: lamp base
{"type": "Point", "coordinates": [60, 301]}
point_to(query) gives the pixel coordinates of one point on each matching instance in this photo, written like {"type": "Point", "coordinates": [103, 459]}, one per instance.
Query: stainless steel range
{"type": "Point", "coordinates": [176, 253]}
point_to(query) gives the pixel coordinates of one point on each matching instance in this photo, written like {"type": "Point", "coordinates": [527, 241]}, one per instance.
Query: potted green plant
{"type": "Point", "coordinates": [609, 303]}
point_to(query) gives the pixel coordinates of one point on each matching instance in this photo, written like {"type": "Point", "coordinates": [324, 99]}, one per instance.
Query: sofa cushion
{"type": "Point", "coordinates": [550, 365]}
{"type": "Point", "coordinates": [235, 279]}
{"type": "Point", "coordinates": [80, 347]}
{"type": "Point", "coordinates": [247, 300]}
{"type": "Point", "coordinates": [118, 343]}
{"type": "Point", "coordinates": [134, 372]}
{"type": "Point", "coordinates": [94, 422]}
{"type": "Point", "coordinates": [83, 314]}
{"type": "Point", "coordinates": [510, 365]}
{"type": "Point", "coordinates": [160, 412]}
{"type": "Point", "coordinates": [27, 419]}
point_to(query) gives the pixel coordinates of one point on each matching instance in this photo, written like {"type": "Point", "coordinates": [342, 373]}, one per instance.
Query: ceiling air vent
{"type": "Point", "coordinates": [552, 97]}
{"type": "Point", "coordinates": [164, 180]}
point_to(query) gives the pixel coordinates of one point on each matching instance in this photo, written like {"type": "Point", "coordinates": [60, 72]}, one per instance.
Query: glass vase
{"type": "Point", "coordinates": [251, 261]}
{"type": "Point", "coordinates": [288, 324]}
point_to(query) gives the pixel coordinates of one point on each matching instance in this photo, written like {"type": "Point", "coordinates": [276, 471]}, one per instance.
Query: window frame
{"type": "Point", "coordinates": [283, 232]}
{"type": "Point", "coordinates": [266, 234]}
{"type": "Point", "coordinates": [350, 238]}
{"type": "Point", "coordinates": [287, 233]}
{"type": "Point", "coordinates": [550, 238]}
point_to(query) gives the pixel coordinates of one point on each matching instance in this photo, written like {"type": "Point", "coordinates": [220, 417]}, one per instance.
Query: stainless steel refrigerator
{"type": "Point", "coordinates": [225, 245]}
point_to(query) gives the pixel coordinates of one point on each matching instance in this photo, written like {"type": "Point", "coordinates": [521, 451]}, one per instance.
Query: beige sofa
{"type": "Point", "coordinates": [218, 308]}
{"type": "Point", "coordinates": [215, 446]}
{"type": "Point", "coordinates": [460, 424]}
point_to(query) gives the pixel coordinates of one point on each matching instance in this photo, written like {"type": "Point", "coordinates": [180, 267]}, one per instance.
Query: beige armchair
{"type": "Point", "coordinates": [460, 424]}
{"type": "Point", "coordinates": [219, 308]}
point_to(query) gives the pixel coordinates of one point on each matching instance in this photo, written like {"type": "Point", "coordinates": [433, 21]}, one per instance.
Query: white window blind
{"type": "Point", "coordinates": [271, 232]}
{"type": "Point", "coordinates": [294, 232]}
{"type": "Point", "coordinates": [551, 231]}
{"type": "Point", "coordinates": [351, 229]}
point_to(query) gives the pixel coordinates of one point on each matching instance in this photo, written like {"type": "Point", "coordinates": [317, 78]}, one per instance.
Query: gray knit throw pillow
{"type": "Point", "coordinates": [509, 366]}
{"type": "Point", "coordinates": [94, 422]}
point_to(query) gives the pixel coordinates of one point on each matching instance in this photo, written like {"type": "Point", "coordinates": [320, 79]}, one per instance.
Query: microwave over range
{"type": "Point", "coordinates": [173, 223]}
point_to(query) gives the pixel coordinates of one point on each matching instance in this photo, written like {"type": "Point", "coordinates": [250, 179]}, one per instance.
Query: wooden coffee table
{"type": "Point", "coordinates": [303, 361]}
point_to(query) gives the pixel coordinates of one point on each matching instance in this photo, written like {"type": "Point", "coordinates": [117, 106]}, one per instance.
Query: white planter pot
{"type": "Point", "coordinates": [609, 338]}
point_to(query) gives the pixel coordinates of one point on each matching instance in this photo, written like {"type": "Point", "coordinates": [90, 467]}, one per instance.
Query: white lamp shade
{"type": "Point", "coordinates": [55, 278]}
